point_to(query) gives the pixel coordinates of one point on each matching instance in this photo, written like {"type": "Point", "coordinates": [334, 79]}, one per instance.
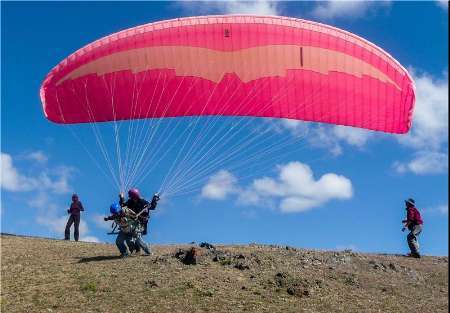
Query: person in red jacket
{"type": "Point", "coordinates": [75, 208]}
{"type": "Point", "coordinates": [414, 223]}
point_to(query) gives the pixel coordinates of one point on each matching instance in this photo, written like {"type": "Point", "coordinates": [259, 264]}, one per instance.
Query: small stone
{"type": "Point", "coordinates": [241, 266]}
{"type": "Point", "coordinates": [188, 257]}
{"type": "Point", "coordinates": [207, 245]}
{"type": "Point", "coordinates": [151, 284]}
{"type": "Point", "coordinates": [393, 267]}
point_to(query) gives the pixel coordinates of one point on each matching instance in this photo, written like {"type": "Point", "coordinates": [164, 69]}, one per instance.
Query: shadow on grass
{"type": "Point", "coordinates": [99, 258]}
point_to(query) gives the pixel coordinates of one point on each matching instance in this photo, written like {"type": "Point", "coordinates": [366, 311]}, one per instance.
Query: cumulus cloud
{"type": "Point", "coordinates": [37, 156]}
{"type": "Point", "coordinates": [330, 137]}
{"type": "Point", "coordinates": [430, 123]}
{"type": "Point", "coordinates": [259, 7]}
{"type": "Point", "coordinates": [11, 179]}
{"type": "Point", "coordinates": [219, 186]}
{"type": "Point", "coordinates": [347, 9]}
{"type": "Point", "coordinates": [353, 136]}
{"type": "Point", "coordinates": [54, 179]}
{"type": "Point", "coordinates": [429, 134]}
{"type": "Point", "coordinates": [427, 140]}
{"type": "Point", "coordinates": [39, 201]}
{"type": "Point", "coordinates": [298, 190]}
{"type": "Point", "coordinates": [295, 189]}
{"type": "Point", "coordinates": [424, 163]}
{"type": "Point", "coordinates": [440, 209]}
{"type": "Point", "coordinates": [47, 183]}
{"type": "Point", "coordinates": [100, 222]}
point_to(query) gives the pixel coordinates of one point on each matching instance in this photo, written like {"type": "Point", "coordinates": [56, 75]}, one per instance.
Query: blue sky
{"type": "Point", "coordinates": [42, 163]}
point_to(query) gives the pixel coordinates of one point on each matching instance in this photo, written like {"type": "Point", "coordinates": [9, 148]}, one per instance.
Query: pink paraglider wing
{"type": "Point", "coordinates": [232, 66]}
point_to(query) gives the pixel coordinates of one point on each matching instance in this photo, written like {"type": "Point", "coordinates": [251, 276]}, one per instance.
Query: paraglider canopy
{"type": "Point", "coordinates": [215, 76]}
{"type": "Point", "coordinates": [209, 65]}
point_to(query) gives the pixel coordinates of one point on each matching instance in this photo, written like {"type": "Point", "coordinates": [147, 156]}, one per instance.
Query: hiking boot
{"type": "Point", "coordinates": [133, 250]}
{"type": "Point", "coordinates": [413, 255]}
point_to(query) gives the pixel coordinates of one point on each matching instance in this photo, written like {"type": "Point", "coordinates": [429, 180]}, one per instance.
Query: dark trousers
{"type": "Point", "coordinates": [145, 228]}
{"type": "Point", "coordinates": [73, 219]}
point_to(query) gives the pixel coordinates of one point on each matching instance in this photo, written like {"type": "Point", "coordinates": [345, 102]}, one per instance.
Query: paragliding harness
{"type": "Point", "coordinates": [133, 225]}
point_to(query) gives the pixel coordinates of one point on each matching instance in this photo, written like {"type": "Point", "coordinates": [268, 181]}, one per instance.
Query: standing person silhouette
{"type": "Point", "coordinates": [75, 212]}
{"type": "Point", "coordinates": [414, 224]}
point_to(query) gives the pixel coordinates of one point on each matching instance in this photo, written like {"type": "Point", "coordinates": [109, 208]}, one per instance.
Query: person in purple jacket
{"type": "Point", "coordinates": [414, 224]}
{"type": "Point", "coordinates": [75, 208]}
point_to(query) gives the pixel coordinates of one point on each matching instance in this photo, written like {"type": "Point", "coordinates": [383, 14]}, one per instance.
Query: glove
{"type": "Point", "coordinates": [105, 219]}
{"type": "Point", "coordinates": [68, 211]}
{"type": "Point", "coordinates": [403, 229]}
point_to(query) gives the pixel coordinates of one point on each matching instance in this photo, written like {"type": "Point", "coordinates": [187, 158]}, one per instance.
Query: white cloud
{"type": "Point", "coordinates": [54, 179]}
{"type": "Point", "coordinates": [430, 122]}
{"type": "Point", "coordinates": [428, 137]}
{"type": "Point", "coordinates": [426, 162]}
{"type": "Point", "coordinates": [47, 183]}
{"type": "Point", "coordinates": [219, 186]}
{"type": "Point", "coordinates": [259, 7]}
{"type": "Point", "coordinates": [58, 224]}
{"type": "Point", "coordinates": [330, 137]}
{"type": "Point", "coordinates": [40, 201]}
{"type": "Point", "coordinates": [429, 133]}
{"type": "Point", "coordinates": [294, 190]}
{"type": "Point", "coordinates": [322, 136]}
{"type": "Point", "coordinates": [443, 4]}
{"type": "Point", "coordinates": [90, 239]}
{"type": "Point", "coordinates": [296, 127]}
{"type": "Point", "coordinates": [299, 191]}
{"type": "Point", "coordinates": [100, 222]}
{"type": "Point", "coordinates": [443, 209]}
{"type": "Point", "coordinates": [346, 9]}
{"type": "Point", "coordinates": [60, 181]}
{"type": "Point", "coordinates": [353, 136]}
{"type": "Point", "coordinates": [298, 204]}
{"type": "Point", "coordinates": [440, 209]}
{"type": "Point", "coordinates": [11, 180]}
{"type": "Point", "coordinates": [37, 156]}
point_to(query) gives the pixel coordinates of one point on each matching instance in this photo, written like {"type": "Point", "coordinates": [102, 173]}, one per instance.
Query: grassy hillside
{"type": "Point", "coordinates": [41, 275]}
